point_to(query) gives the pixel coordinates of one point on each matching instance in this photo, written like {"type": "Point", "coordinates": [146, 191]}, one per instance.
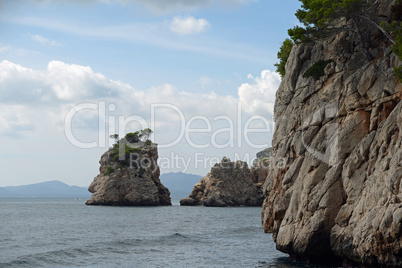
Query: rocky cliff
{"type": "Point", "coordinates": [334, 191]}
{"type": "Point", "coordinates": [228, 184]}
{"type": "Point", "coordinates": [261, 166]}
{"type": "Point", "coordinates": [129, 176]}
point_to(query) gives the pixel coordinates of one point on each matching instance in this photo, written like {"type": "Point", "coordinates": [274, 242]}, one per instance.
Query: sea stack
{"type": "Point", "coordinates": [129, 176]}
{"type": "Point", "coordinates": [228, 184]}
{"type": "Point", "coordinates": [334, 190]}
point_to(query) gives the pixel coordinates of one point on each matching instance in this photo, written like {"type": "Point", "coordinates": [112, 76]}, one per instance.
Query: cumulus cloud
{"type": "Point", "coordinates": [188, 25]}
{"type": "Point", "coordinates": [59, 82]}
{"type": "Point", "coordinates": [67, 83]}
{"type": "Point", "coordinates": [21, 85]}
{"type": "Point", "coordinates": [52, 92]}
{"type": "Point", "coordinates": [258, 97]}
{"type": "Point", "coordinates": [34, 105]}
{"type": "Point", "coordinates": [72, 82]}
{"type": "Point", "coordinates": [13, 121]}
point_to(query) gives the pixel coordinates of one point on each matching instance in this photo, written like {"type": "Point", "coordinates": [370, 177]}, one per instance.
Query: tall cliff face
{"type": "Point", "coordinates": [335, 187]}
{"type": "Point", "coordinates": [132, 181]}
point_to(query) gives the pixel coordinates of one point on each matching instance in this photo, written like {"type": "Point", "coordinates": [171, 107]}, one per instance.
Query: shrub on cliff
{"type": "Point", "coordinates": [318, 16]}
{"type": "Point", "coordinates": [317, 69]}
{"type": "Point", "coordinates": [122, 151]}
{"type": "Point", "coordinates": [145, 134]}
{"type": "Point", "coordinates": [283, 56]}
{"type": "Point", "coordinates": [395, 28]}
{"type": "Point", "coordinates": [109, 170]}
{"type": "Point", "coordinates": [122, 148]}
{"type": "Point", "coordinates": [133, 137]}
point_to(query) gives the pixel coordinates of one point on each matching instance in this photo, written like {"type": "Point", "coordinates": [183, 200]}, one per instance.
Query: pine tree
{"type": "Point", "coordinates": [318, 17]}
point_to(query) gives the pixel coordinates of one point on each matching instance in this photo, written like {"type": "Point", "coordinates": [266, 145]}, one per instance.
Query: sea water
{"type": "Point", "coordinates": [67, 233]}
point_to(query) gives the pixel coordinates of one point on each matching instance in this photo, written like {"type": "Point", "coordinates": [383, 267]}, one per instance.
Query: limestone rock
{"type": "Point", "coordinates": [261, 166]}
{"type": "Point", "coordinates": [262, 155]}
{"type": "Point", "coordinates": [334, 189]}
{"type": "Point", "coordinates": [228, 184]}
{"type": "Point", "coordinates": [132, 180]}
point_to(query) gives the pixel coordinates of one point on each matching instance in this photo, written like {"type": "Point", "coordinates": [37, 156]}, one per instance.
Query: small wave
{"type": "Point", "coordinates": [178, 235]}
{"type": "Point", "coordinates": [247, 230]}
{"type": "Point", "coordinates": [170, 239]}
{"type": "Point", "coordinates": [127, 242]}
{"type": "Point", "coordinates": [50, 258]}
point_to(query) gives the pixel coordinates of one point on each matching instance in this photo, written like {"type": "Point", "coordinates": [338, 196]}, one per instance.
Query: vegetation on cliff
{"type": "Point", "coordinates": [283, 55]}
{"type": "Point", "coordinates": [333, 192]}
{"type": "Point", "coordinates": [321, 18]}
{"type": "Point", "coordinates": [317, 69]}
{"type": "Point", "coordinates": [129, 174]}
{"type": "Point", "coordinates": [123, 148]}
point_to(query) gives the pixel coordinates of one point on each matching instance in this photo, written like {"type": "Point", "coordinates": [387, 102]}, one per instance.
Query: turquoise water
{"type": "Point", "coordinates": [67, 233]}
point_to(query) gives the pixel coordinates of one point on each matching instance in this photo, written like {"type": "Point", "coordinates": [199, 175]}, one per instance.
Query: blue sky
{"type": "Point", "coordinates": [202, 56]}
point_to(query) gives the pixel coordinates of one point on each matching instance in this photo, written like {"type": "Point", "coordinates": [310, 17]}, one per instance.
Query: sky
{"type": "Point", "coordinates": [199, 73]}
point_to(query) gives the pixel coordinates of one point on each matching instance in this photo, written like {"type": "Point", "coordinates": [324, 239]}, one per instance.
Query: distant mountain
{"type": "Point", "coordinates": [49, 189]}
{"type": "Point", "coordinates": [180, 184]}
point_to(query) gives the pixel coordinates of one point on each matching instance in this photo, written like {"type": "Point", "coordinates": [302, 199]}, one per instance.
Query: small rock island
{"type": "Point", "coordinates": [227, 184]}
{"type": "Point", "coordinates": [129, 175]}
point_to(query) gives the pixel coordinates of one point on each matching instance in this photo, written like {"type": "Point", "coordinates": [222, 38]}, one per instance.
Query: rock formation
{"type": "Point", "coordinates": [228, 184]}
{"type": "Point", "coordinates": [129, 176]}
{"type": "Point", "coordinates": [334, 191]}
{"type": "Point", "coordinates": [261, 166]}
{"type": "Point", "coordinates": [263, 155]}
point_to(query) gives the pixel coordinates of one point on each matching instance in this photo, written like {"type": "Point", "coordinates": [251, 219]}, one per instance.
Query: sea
{"type": "Point", "coordinates": [67, 233]}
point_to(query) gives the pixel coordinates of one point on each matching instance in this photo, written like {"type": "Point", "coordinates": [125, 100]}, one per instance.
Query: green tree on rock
{"type": "Point", "coordinates": [283, 56]}
{"type": "Point", "coordinates": [319, 17]}
{"type": "Point", "coordinates": [145, 134]}
{"type": "Point", "coordinates": [132, 137]}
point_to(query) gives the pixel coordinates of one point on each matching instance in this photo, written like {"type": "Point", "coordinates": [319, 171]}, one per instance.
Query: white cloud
{"type": "Point", "coordinates": [21, 85]}
{"type": "Point", "coordinates": [73, 82]}
{"type": "Point", "coordinates": [34, 105]}
{"type": "Point", "coordinates": [59, 82]}
{"type": "Point", "coordinates": [43, 40]}
{"type": "Point", "coordinates": [13, 121]}
{"type": "Point", "coordinates": [188, 25]}
{"type": "Point", "coordinates": [62, 85]}
{"type": "Point", "coordinates": [259, 96]}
